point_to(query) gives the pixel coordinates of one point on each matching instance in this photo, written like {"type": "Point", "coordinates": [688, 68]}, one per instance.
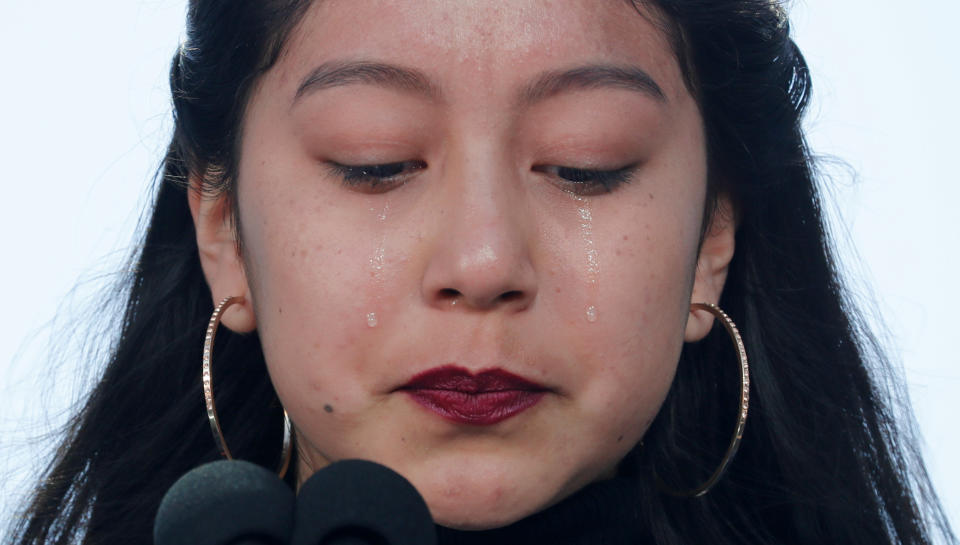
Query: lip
{"type": "Point", "coordinates": [481, 399]}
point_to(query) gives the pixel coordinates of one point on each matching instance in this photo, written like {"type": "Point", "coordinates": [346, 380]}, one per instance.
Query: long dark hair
{"type": "Point", "coordinates": [824, 459]}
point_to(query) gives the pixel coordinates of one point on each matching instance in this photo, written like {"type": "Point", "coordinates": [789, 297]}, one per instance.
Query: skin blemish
{"type": "Point", "coordinates": [328, 408]}
{"type": "Point", "coordinates": [619, 438]}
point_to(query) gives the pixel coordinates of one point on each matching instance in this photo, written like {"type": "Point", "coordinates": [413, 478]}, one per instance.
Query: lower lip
{"type": "Point", "coordinates": [477, 409]}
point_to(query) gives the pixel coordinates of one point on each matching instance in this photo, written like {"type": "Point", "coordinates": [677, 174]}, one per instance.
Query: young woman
{"type": "Point", "coordinates": [486, 245]}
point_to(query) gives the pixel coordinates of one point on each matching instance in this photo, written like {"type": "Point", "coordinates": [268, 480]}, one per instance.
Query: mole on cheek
{"type": "Point", "coordinates": [328, 408]}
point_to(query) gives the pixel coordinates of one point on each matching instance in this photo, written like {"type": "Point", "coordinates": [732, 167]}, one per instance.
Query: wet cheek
{"type": "Point", "coordinates": [642, 303]}
{"type": "Point", "coordinates": [572, 260]}
{"type": "Point", "coordinates": [381, 267]}
{"type": "Point", "coordinates": [311, 311]}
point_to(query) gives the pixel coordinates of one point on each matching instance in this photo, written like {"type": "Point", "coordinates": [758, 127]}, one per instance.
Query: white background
{"type": "Point", "coordinates": [84, 119]}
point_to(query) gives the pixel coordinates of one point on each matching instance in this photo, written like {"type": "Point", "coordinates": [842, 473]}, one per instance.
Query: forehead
{"type": "Point", "coordinates": [485, 43]}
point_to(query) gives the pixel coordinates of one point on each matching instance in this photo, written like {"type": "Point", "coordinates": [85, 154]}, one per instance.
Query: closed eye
{"type": "Point", "coordinates": [377, 177]}
{"type": "Point", "coordinates": [583, 181]}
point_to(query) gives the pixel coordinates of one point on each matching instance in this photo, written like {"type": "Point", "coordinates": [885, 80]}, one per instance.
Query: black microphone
{"type": "Point", "coordinates": [356, 502]}
{"type": "Point", "coordinates": [225, 503]}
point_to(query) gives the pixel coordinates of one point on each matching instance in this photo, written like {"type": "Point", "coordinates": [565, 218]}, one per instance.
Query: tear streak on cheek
{"type": "Point", "coordinates": [591, 259]}
{"type": "Point", "coordinates": [378, 259]}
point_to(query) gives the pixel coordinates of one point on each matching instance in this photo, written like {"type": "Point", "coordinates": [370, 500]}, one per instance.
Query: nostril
{"type": "Point", "coordinates": [509, 296]}
{"type": "Point", "coordinates": [452, 296]}
{"type": "Point", "coordinates": [448, 294]}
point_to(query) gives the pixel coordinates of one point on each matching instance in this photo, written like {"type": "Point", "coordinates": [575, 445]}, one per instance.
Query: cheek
{"type": "Point", "coordinates": [631, 357]}
{"type": "Point", "coordinates": [631, 274]}
{"type": "Point", "coordinates": [317, 282]}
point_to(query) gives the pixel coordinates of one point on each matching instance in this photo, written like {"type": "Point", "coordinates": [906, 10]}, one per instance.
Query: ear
{"type": "Point", "coordinates": [716, 252]}
{"type": "Point", "coordinates": [219, 255]}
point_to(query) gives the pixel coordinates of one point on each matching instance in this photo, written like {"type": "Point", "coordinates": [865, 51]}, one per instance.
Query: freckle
{"type": "Point", "coordinates": [618, 251]}
{"type": "Point", "coordinates": [619, 438]}
{"type": "Point", "coordinates": [339, 252]}
{"type": "Point", "coordinates": [328, 408]}
{"type": "Point", "coordinates": [625, 238]}
{"type": "Point", "coordinates": [557, 290]}
{"type": "Point", "coordinates": [279, 310]}
{"type": "Point", "coordinates": [650, 195]}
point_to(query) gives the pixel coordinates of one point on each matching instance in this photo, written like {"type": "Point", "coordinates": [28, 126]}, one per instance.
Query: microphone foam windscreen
{"type": "Point", "coordinates": [356, 501]}
{"type": "Point", "coordinates": [225, 502]}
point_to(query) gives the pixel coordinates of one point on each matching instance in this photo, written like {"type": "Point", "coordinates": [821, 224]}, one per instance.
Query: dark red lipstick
{"type": "Point", "coordinates": [481, 399]}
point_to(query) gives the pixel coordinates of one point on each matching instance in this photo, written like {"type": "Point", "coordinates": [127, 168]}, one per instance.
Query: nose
{"type": "Point", "coordinates": [481, 255]}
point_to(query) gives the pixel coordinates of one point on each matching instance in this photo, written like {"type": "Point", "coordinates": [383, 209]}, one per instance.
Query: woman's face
{"type": "Point", "coordinates": [470, 240]}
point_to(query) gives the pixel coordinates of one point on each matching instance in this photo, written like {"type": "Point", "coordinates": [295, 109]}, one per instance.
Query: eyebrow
{"type": "Point", "coordinates": [338, 74]}
{"type": "Point", "coordinates": [549, 84]}
{"type": "Point", "coordinates": [595, 76]}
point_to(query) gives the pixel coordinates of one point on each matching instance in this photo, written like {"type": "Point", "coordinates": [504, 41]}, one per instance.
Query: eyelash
{"type": "Point", "coordinates": [385, 176]}
{"type": "Point", "coordinates": [583, 181]}
{"type": "Point", "coordinates": [376, 178]}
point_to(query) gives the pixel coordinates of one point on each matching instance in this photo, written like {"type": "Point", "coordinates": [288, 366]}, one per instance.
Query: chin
{"type": "Point", "coordinates": [470, 514]}
{"type": "Point", "coordinates": [468, 499]}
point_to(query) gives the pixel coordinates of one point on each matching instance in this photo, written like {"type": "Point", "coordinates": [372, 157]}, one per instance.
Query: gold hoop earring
{"type": "Point", "coordinates": [744, 405]}
{"type": "Point", "coordinates": [208, 392]}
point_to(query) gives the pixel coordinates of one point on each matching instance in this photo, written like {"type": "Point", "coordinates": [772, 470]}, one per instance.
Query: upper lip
{"type": "Point", "coordinates": [457, 379]}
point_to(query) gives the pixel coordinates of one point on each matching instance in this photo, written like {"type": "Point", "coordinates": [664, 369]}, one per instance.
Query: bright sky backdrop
{"type": "Point", "coordinates": [84, 118]}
